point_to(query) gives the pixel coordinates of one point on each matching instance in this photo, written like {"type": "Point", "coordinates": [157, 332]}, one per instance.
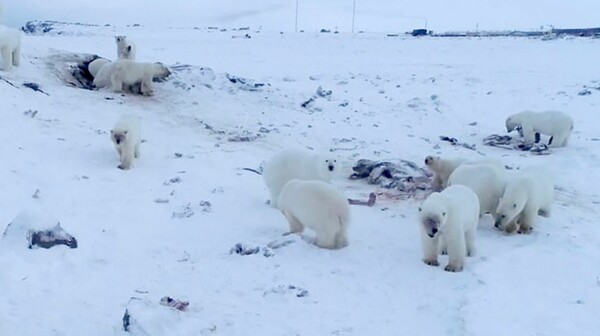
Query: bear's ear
{"type": "Point", "coordinates": [515, 205]}
{"type": "Point", "coordinates": [126, 132]}
{"type": "Point", "coordinates": [420, 209]}
{"type": "Point", "coordinates": [443, 214]}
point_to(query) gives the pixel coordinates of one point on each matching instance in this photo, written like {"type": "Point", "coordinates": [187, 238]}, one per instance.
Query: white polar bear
{"type": "Point", "coordinates": [299, 164]}
{"type": "Point", "coordinates": [442, 168]}
{"type": "Point", "coordinates": [126, 135]}
{"type": "Point", "coordinates": [555, 124]}
{"type": "Point", "coordinates": [319, 206]}
{"type": "Point", "coordinates": [128, 72]}
{"type": "Point", "coordinates": [449, 219]}
{"type": "Point", "coordinates": [10, 47]}
{"type": "Point", "coordinates": [486, 180]}
{"type": "Point", "coordinates": [528, 194]}
{"type": "Point", "coordinates": [95, 66]}
{"type": "Point", "coordinates": [125, 48]}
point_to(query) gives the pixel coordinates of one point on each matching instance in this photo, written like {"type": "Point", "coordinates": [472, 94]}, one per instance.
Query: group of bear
{"type": "Point", "coordinates": [299, 185]}
{"type": "Point", "coordinates": [299, 181]}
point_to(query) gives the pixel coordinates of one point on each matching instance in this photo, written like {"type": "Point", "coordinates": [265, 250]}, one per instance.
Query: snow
{"type": "Point", "coordinates": [401, 94]}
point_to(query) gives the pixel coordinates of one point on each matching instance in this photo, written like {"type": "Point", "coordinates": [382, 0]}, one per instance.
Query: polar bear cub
{"type": "Point", "coordinates": [128, 72]}
{"type": "Point", "coordinates": [449, 219]}
{"type": "Point", "coordinates": [555, 124]}
{"type": "Point", "coordinates": [126, 135]}
{"type": "Point", "coordinates": [10, 47]}
{"type": "Point", "coordinates": [486, 180]}
{"type": "Point", "coordinates": [125, 47]}
{"type": "Point", "coordinates": [319, 206]}
{"type": "Point", "coordinates": [299, 164]}
{"type": "Point", "coordinates": [528, 194]}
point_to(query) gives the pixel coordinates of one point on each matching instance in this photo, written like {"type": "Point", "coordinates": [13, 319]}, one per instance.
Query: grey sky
{"type": "Point", "coordinates": [372, 15]}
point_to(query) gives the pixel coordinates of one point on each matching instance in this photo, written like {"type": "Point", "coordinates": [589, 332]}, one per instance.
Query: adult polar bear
{"type": "Point", "coordinates": [526, 196]}
{"type": "Point", "coordinates": [10, 47]}
{"type": "Point", "coordinates": [299, 164]}
{"type": "Point", "coordinates": [128, 73]}
{"type": "Point", "coordinates": [318, 206]}
{"type": "Point", "coordinates": [449, 219]}
{"type": "Point", "coordinates": [486, 180]}
{"type": "Point", "coordinates": [555, 124]}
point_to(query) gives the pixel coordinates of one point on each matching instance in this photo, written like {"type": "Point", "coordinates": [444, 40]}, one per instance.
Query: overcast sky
{"type": "Point", "coordinates": [371, 15]}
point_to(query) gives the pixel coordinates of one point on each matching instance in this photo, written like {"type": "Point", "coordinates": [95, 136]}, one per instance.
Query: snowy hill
{"type": "Point", "coordinates": [167, 226]}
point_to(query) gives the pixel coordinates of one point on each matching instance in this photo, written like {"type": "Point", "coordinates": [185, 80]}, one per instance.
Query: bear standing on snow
{"type": "Point", "coordinates": [318, 206]}
{"type": "Point", "coordinates": [126, 135]}
{"type": "Point", "coordinates": [296, 164]}
{"type": "Point", "coordinates": [125, 48]}
{"type": "Point", "coordinates": [555, 124]}
{"type": "Point", "coordinates": [526, 196]}
{"type": "Point", "coordinates": [128, 72]}
{"type": "Point", "coordinates": [10, 47]}
{"type": "Point", "coordinates": [486, 180]}
{"type": "Point", "coordinates": [449, 218]}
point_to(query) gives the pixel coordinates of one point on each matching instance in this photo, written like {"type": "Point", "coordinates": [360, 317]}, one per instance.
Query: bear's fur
{"type": "Point", "coordinates": [555, 124]}
{"type": "Point", "coordinates": [319, 206]}
{"type": "Point", "coordinates": [528, 193]}
{"type": "Point", "coordinates": [299, 164]}
{"type": "Point", "coordinates": [442, 168]}
{"type": "Point", "coordinates": [449, 220]}
{"type": "Point", "coordinates": [10, 47]}
{"type": "Point", "coordinates": [125, 48]}
{"type": "Point", "coordinates": [486, 180]}
{"type": "Point", "coordinates": [126, 135]}
{"type": "Point", "coordinates": [95, 66]}
{"type": "Point", "coordinates": [128, 72]}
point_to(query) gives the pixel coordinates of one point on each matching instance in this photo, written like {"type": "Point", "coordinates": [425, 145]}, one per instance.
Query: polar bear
{"type": "Point", "coordinates": [555, 124]}
{"type": "Point", "coordinates": [319, 206]}
{"type": "Point", "coordinates": [128, 72]}
{"type": "Point", "coordinates": [10, 47]}
{"type": "Point", "coordinates": [449, 219]}
{"type": "Point", "coordinates": [125, 47]}
{"type": "Point", "coordinates": [486, 180]}
{"type": "Point", "coordinates": [442, 168]}
{"type": "Point", "coordinates": [95, 66]}
{"type": "Point", "coordinates": [126, 135]}
{"type": "Point", "coordinates": [299, 164]}
{"type": "Point", "coordinates": [528, 194]}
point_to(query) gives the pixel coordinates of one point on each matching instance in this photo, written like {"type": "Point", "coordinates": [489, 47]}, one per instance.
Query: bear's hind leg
{"type": "Point", "coordinates": [326, 235]}
{"type": "Point", "coordinates": [146, 87]}
{"type": "Point", "coordinates": [470, 242]}
{"type": "Point", "coordinates": [16, 56]}
{"type": "Point", "coordinates": [6, 59]}
{"type": "Point", "coordinates": [295, 225]}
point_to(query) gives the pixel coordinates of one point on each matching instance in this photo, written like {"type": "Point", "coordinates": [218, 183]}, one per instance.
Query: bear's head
{"type": "Point", "coordinates": [433, 214]}
{"type": "Point", "coordinates": [327, 166]}
{"type": "Point", "coordinates": [120, 39]}
{"type": "Point", "coordinates": [431, 161]}
{"type": "Point", "coordinates": [160, 71]}
{"type": "Point", "coordinates": [118, 136]}
{"type": "Point", "coordinates": [511, 204]}
{"type": "Point", "coordinates": [511, 124]}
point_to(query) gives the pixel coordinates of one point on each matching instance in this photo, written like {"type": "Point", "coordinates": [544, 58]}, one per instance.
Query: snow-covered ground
{"type": "Point", "coordinates": [166, 227]}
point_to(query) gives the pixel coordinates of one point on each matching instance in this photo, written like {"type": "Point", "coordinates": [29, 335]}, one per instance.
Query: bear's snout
{"type": "Point", "coordinates": [434, 231]}
{"type": "Point", "coordinates": [330, 167]}
{"type": "Point", "coordinates": [427, 160]}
